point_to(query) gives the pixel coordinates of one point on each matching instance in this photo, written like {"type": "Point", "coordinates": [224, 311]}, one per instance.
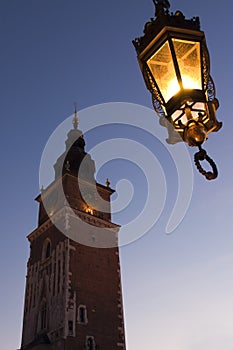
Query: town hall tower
{"type": "Point", "coordinates": [73, 295]}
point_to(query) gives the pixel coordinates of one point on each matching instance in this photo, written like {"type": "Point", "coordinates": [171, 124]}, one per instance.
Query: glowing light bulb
{"type": "Point", "coordinates": [89, 211]}
{"type": "Point", "coordinates": [172, 88]}
{"type": "Point", "coordinates": [190, 83]}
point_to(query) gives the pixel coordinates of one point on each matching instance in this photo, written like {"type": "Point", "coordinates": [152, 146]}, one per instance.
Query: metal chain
{"type": "Point", "coordinates": [200, 156]}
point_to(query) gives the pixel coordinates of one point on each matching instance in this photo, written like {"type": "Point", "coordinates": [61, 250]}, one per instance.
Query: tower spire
{"type": "Point", "coordinates": [75, 120]}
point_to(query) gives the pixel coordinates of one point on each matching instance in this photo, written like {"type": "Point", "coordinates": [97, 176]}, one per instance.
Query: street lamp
{"type": "Point", "coordinates": [175, 64]}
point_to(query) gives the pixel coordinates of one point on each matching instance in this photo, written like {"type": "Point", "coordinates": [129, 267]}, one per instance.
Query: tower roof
{"type": "Point", "coordinates": [75, 160]}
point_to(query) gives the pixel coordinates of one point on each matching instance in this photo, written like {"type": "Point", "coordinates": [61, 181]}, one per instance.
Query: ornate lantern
{"type": "Point", "coordinates": [174, 61]}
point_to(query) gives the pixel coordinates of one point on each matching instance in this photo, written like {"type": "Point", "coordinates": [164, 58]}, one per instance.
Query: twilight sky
{"type": "Point", "coordinates": [177, 288]}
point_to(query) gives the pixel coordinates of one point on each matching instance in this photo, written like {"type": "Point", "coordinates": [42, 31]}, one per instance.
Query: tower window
{"type": "Point", "coordinates": [82, 314]}
{"type": "Point", "coordinates": [90, 343]}
{"type": "Point", "coordinates": [46, 251]}
{"type": "Point", "coordinates": [70, 327]}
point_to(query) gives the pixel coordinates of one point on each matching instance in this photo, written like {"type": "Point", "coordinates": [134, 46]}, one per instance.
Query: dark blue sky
{"type": "Point", "coordinates": [56, 52]}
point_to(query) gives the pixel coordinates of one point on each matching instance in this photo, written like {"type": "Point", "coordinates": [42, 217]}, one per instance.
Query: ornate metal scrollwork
{"type": "Point", "coordinates": [211, 89]}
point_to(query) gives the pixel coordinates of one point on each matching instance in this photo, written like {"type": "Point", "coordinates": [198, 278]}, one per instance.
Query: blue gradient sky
{"type": "Point", "coordinates": [178, 288]}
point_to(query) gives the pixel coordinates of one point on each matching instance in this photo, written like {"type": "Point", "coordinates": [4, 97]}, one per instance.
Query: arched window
{"type": "Point", "coordinates": [90, 343]}
{"type": "Point", "coordinates": [82, 314]}
{"type": "Point", "coordinates": [46, 251]}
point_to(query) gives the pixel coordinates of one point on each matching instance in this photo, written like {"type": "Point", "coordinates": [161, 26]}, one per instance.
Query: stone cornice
{"type": "Point", "coordinates": [67, 211]}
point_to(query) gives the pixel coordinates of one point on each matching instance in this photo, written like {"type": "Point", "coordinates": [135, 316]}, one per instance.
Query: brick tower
{"type": "Point", "coordinates": [73, 296]}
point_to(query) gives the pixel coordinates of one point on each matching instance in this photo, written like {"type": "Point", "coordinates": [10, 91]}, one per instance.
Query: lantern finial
{"type": "Point", "coordinates": [164, 3]}
{"type": "Point", "coordinates": [160, 6]}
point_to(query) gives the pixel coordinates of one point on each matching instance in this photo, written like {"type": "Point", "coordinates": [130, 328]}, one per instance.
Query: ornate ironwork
{"type": "Point", "coordinates": [211, 89]}
{"type": "Point", "coordinates": [156, 97]}
{"type": "Point", "coordinates": [164, 3]}
{"type": "Point", "coordinates": [206, 66]}
{"type": "Point", "coordinates": [163, 18]}
{"type": "Point", "coordinates": [157, 106]}
{"type": "Point", "coordinates": [200, 156]}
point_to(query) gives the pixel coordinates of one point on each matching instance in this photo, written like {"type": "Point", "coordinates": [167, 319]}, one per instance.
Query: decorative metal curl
{"type": "Point", "coordinates": [200, 156]}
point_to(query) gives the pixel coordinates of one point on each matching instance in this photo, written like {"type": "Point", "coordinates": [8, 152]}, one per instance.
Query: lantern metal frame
{"type": "Point", "coordinates": [190, 114]}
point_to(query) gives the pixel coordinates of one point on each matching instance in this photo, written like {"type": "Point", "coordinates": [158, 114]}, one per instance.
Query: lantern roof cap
{"type": "Point", "coordinates": [164, 18]}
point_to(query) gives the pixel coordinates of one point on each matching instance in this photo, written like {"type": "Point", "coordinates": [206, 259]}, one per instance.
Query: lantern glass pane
{"type": "Point", "coordinates": [162, 68]}
{"type": "Point", "coordinates": [189, 60]}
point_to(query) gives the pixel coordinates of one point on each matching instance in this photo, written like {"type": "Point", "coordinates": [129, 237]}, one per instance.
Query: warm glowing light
{"type": "Point", "coordinates": [189, 60]}
{"type": "Point", "coordinates": [162, 68]}
{"type": "Point", "coordinates": [172, 88]}
{"type": "Point", "coordinates": [190, 83]}
{"type": "Point", "coordinates": [89, 211]}
{"type": "Point", "coordinates": [161, 65]}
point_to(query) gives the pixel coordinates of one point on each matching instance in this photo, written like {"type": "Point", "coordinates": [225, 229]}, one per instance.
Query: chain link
{"type": "Point", "coordinates": [200, 156]}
